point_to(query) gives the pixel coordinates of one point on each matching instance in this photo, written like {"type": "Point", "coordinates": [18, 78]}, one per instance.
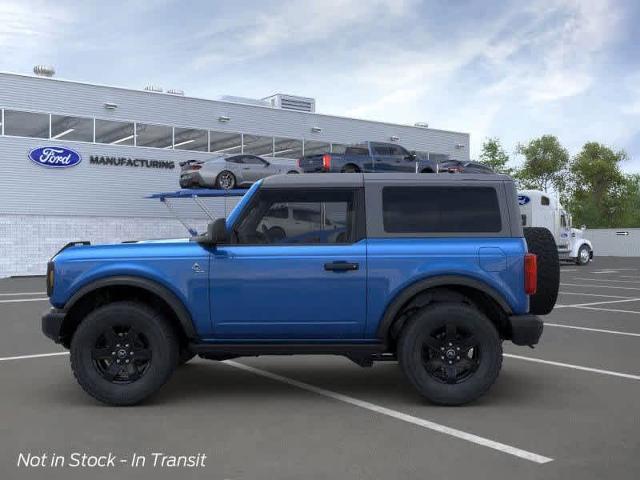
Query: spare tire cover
{"type": "Point", "coordinates": [541, 242]}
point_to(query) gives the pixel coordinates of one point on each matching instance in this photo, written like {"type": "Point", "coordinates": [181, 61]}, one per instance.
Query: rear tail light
{"type": "Point", "coordinates": [530, 274]}
{"type": "Point", "coordinates": [326, 162]}
{"type": "Point", "coordinates": [299, 163]}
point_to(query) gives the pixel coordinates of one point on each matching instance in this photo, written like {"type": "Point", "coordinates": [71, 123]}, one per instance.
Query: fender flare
{"type": "Point", "coordinates": [401, 298]}
{"type": "Point", "coordinates": [178, 307]}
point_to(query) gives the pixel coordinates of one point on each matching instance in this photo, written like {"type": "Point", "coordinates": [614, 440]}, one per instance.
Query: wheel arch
{"type": "Point", "coordinates": [125, 287]}
{"type": "Point", "coordinates": [443, 288]}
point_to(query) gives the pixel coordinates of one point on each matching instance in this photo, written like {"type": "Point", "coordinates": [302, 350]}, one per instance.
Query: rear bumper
{"type": "Point", "coordinates": [525, 329]}
{"type": "Point", "coordinates": [52, 324]}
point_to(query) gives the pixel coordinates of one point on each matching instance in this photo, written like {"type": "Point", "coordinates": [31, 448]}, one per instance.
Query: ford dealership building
{"type": "Point", "coordinates": [77, 159]}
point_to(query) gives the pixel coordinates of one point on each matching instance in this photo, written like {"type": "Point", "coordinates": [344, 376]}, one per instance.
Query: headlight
{"type": "Point", "coordinates": [50, 275]}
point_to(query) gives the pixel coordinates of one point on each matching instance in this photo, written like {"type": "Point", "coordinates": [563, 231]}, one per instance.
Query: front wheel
{"type": "Point", "coordinates": [451, 353]}
{"type": "Point", "coordinates": [584, 255]}
{"type": "Point", "coordinates": [123, 352]}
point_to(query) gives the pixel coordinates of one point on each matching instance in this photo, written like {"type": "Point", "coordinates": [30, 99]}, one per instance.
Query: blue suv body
{"type": "Point", "coordinates": [373, 267]}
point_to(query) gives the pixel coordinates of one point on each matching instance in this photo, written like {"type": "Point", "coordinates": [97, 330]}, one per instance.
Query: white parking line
{"type": "Point", "coordinates": [598, 286]}
{"type": "Point", "coordinates": [610, 310]}
{"type": "Point", "coordinates": [592, 294]}
{"type": "Point", "coordinates": [575, 367]}
{"type": "Point", "coordinates": [598, 303]}
{"type": "Point", "coordinates": [21, 293]}
{"type": "Point", "coordinates": [587, 329]}
{"type": "Point", "coordinates": [524, 454]}
{"type": "Point", "coordinates": [15, 300]}
{"type": "Point", "coordinates": [38, 355]}
{"type": "Point", "coordinates": [605, 280]}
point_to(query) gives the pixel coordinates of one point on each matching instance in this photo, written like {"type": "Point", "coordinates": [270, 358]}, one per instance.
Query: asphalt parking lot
{"type": "Point", "coordinates": [570, 408]}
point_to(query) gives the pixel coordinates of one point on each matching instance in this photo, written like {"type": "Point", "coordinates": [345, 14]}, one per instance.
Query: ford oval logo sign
{"type": "Point", "coordinates": [523, 199]}
{"type": "Point", "coordinates": [55, 157]}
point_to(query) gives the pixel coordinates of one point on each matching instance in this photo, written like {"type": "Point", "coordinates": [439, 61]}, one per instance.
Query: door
{"type": "Point", "coordinates": [296, 269]}
{"type": "Point", "coordinates": [254, 168]}
{"type": "Point", "coordinates": [392, 158]}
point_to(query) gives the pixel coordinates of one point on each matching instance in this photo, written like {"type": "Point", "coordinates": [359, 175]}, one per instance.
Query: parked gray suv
{"type": "Point", "coordinates": [230, 171]}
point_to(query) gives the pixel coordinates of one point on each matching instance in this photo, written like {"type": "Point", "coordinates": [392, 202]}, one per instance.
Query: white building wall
{"type": "Point", "coordinates": [615, 242]}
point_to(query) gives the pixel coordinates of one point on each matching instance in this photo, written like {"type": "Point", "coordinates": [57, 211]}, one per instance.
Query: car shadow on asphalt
{"type": "Point", "coordinates": [383, 383]}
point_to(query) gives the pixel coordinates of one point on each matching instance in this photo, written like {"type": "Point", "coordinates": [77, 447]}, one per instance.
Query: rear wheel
{"type": "Point", "coordinates": [584, 255]}
{"type": "Point", "coordinates": [540, 241]}
{"type": "Point", "coordinates": [350, 169]}
{"type": "Point", "coordinates": [226, 180]}
{"type": "Point", "coordinates": [123, 352]}
{"type": "Point", "coordinates": [451, 353]}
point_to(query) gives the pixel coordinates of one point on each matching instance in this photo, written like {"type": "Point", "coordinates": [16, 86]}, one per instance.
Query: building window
{"type": "Point", "coordinates": [312, 147]}
{"type": "Point", "coordinates": [26, 124]}
{"type": "Point", "coordinates": [114, 133]}
{"type": "Point", "coordinates": [225, 142]}
{"type": "Point", "coordinates": [287, 148]}
{"type": "Point", "coordinates": [440, 210]}
{"type": "Point", "coordinates": [157, 136]}
{"type": "Point", "coordinates": [257, 145]}
{"type": "Point", "coordinates": [190, 139]}
{"type": "Point", "coordinates": [338, 148]}
{"type": "Point", "coordinates": [71, 128]}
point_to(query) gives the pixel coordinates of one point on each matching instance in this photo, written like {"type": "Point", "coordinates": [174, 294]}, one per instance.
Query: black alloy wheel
{"type": "Point", "coordinates": [121, 354]}
{"type": "Point", "coordinates": [450, 354]}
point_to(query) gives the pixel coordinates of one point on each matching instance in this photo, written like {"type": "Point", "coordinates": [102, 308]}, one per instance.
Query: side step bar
{"type": "Point", "coordinates": [362, 354]}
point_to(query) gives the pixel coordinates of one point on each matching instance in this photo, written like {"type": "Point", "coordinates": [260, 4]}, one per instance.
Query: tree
{"type": "Point", "coordinates": [545, 164]}
{"type": "Point", "coordinates": [602, 195]}
{"type": "Point", "coordinates": [494, 156]}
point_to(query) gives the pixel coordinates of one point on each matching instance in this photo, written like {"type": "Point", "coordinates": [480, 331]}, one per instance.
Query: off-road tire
{"type": "Point", "coordinates": [540, 241]}
{"type": "Point", "coordinates": [223, 185]}
{"type": "Point", "coordinates": [162, 345]}
{"type": "Point", "coordinates": [579, 258]}
{"type": "Point", "coordinates": [184, 355]}
{"type": "Point", "coordinates": [467, 320]}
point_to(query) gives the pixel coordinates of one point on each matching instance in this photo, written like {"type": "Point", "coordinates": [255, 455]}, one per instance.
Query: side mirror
{"type": "Point", "coordinates": [583, 227]}
{"type": "Point", "coordinates": [216, 233]}
{"type": "Point", "coordinates": [412, 156]}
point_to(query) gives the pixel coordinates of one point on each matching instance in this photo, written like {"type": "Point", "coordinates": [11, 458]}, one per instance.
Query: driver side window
{"type": "Point", "coordinates": [304, 218]}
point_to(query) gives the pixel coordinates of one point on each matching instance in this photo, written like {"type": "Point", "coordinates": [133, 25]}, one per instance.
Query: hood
{"type": "Point", "coordinates": [134, 249]}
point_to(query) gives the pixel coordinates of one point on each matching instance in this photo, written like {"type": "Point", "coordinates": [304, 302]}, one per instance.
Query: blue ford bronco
{"type": "Point", "coordinates": [432, 271]}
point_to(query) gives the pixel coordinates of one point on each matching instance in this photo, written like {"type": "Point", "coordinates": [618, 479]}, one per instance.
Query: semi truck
{"type": "Point", "coordinates": [539, 209]}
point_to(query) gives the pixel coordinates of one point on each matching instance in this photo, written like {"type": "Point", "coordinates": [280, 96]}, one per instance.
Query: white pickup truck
{"type": "Point", "coordinates": [539, 209]}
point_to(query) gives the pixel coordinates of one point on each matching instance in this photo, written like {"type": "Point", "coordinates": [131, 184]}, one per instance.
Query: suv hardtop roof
{"type": "Point", "coordinates": [337, 180]}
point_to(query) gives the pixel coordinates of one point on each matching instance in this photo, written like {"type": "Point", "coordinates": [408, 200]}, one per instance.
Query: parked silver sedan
{"type": "Point", "coordinates": [231, 171]}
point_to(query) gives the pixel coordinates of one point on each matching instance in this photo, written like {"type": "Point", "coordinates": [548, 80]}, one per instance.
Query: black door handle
{"type": "Point", "coordinates": [341, 266]}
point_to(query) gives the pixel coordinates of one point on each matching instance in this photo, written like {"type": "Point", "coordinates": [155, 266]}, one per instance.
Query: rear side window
{"type": "Point", "coordinates": [356, 151]}
{"type": "Point", "coordinates": [441, 210]}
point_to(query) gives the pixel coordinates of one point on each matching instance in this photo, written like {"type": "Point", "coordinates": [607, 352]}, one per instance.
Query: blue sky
{"type": "Point", "coordinates": [514, 70]}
